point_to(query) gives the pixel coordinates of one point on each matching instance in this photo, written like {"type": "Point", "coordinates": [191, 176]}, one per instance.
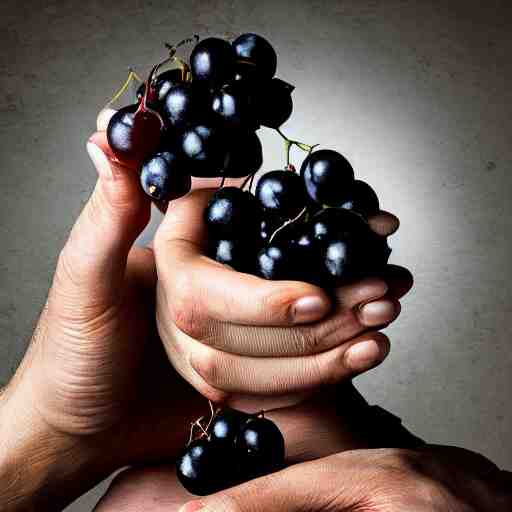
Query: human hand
{"type": "Point", "coordinates": [237, 337]}
{"type": "Point", "coordinates": [427, 479]}
{"type": "Point", "coordinates": [314, 428]}
{"type": "Point", "coordinates": [95, 379]}
{"type": "Point", "coordinates": [431, 478]}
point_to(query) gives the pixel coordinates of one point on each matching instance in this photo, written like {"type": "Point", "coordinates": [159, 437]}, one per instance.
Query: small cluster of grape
{"type": "Point", "coordinates": [233, 448]}
{"type": "Point", "coordinates": [200, 119]}
{"type": "Point", "coordinates": [310, 227]}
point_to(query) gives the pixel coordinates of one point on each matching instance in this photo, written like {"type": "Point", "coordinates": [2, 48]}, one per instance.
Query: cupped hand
{"type": "Point", "coordinates": [238, 337]}
{"type": "Point", "coordinates": [427, 479]}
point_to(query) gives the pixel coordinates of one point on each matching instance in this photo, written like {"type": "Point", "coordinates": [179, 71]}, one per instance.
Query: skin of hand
{"type": "Point", "coordinates": [94, 380]}
{"type": "Point", "coordinates": [427, 479]}
{"type": "Point", "coordinates": [238, 338]}
{"type": "Point", "coordinates": [312, 429]}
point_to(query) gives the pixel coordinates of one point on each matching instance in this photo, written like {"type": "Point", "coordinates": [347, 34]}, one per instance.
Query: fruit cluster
{"type": "Point", "coordinates": [310, 227]}
{"type": "Point", "coordinates": [200, 119]}
{"type": "Point", "coordinates": [234, 447]}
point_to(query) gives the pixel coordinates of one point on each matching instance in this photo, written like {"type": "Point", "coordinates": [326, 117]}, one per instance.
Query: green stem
{"type": "Point", "coordinates": [288, 143]}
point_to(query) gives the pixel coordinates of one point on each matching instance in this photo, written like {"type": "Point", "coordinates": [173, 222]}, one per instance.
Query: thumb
{"type": "Point", "coordinates": [94, 257]}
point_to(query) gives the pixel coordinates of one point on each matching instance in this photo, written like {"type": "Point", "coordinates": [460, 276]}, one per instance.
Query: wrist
{"type": "Point", "coordinates": [40, 467]}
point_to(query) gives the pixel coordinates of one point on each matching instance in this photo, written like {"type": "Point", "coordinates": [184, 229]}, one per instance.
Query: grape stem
{"type": "Point", "coordinates": [287, 223]}
{"type": "Point", "coordinates": [249, 178]}
{"type": "Point", "coordinates": [212, 414]}
{"type": "Point", "coordinates": [193, 425]}
{"type": "Point", "coordinates": [288, 143]}
{"type": "Point", "coordinates": [132, 75]}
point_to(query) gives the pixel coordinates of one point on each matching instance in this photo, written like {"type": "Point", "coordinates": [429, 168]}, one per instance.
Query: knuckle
{"type": "Point", "coordinates": [278, 305]}
{"type": "Point", "coordinates": [401, 459]}
{"type": "Point", "coordinates": [188, 319]}
{"type": "Point", "coordinates": [428, 491]}
{"type": "Point", "coordinates": [186, 312]}
{"type": "Point", "coordinates": [208, 365]}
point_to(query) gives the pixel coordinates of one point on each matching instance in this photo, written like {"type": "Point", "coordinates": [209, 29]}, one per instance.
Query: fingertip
{"type": "Point", "coordinates": [378, 312]}
{"type": "Point", "coordinates": [362, 292]}
{"type": "Point", "coordinates": [104, 116]}
{"type": "Point", "coordinates": [192, 506]}
{"type": "Point", "coordinates": [399, 279]}
{"type": "Point", "coordinates": [309, 308]}
{"type": "Point", "coordinates": [384, 223]}
{"type": "Point", "coordinates": [367, 353]}
{"type": "Point", "coordinates": [100, 160]}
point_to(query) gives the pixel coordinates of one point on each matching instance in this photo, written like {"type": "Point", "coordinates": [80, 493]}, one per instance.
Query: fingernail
{"type": "Point", "coordinates": [193, 506]}
{"type": "Point", "coordinates": [308, 309]}
{"type": "Point", "coordinates": [365, 355]}
{"type": "Point", "coordinates": [100, 161]}
{"type": "Point", "coordinates": [377, 312]}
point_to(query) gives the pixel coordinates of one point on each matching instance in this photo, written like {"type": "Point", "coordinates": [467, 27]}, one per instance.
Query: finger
{"type": "Point", "coordinates": [398, 279]}
{"type": "Point", "coordinates": [103, 118]}
{"type": "Point", "coordinates": [384, 223]}
{"type": "Point", "coordinates": [359, 308]}
{"type": "Point", "coordinates": [97, 249]}
{"type": "Point", "coordinates": [309, 486]}
{"type": "Point", "coordinates": [229, 373]}
{"type": "Point", "coordinates": [141, 268]}
{"type": "Point", "coordinates": [203, 288]}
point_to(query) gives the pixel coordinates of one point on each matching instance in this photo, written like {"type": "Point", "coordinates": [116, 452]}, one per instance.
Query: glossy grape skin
{"type": "Point", "coordinates": [259, 52]}
{"type": "Point", "coordinates": [332, 223]}
{"type": "Point", "coordinates": [212, 62]}
{"type": "Point", "coordinates": [362, 199]}
{"type": "Point", "coordinates": [204, 148]}
{"type": "Point", "coordinates": [232, 105]}
{"type": "Point", "coordinates": [226, 425]}
{"type": "Point", "coordinates": [275, 262]}
{"type": "Point", "coordinates": [244, 155]}
{"type": "Point", "coordinates": [134, 134]}
{"type": "Point", "coordinates": [184, 104]}
{"type": "Point", "coordinates": [164, 177]}
{"type": "Point", "coordinates": [281, 193]}
{"type": "Point", "coordinates": [204, 467]}
{"type": "Point", "coordinates": [232, 213]}
{"type": "Point", "coordinates": [328, 177]}
{"type": "Point", "coordinates": [338, 262]}
{"type": "Point", "coordinates": [273, 102]}
{"type": "Point", "coordinates": [247, 74]}
{"type": "Point", "coordinates": [163, 84]}
{"type": "Point", "coordinates": [261, 447]}
{"type": "Point", "coordinates": [237, 253]}
{"type": "Point", "coordinates": [269, 224]}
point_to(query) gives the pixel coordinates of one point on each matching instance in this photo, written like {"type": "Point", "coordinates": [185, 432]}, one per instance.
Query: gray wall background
{"type": "Point", "coordinates": [416, 93]}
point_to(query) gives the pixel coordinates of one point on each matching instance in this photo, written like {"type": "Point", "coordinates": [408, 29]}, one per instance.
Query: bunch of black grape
{"type": "Point", "coordinates": [310, 226]}
{"type": "Point", "coordinates": [235, 447]}
{"type": "Point", "coordinates": [200, 119]}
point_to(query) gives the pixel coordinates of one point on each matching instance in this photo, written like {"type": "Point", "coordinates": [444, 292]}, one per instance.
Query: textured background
{"type": "Point", "coordinates": [417, 94]}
